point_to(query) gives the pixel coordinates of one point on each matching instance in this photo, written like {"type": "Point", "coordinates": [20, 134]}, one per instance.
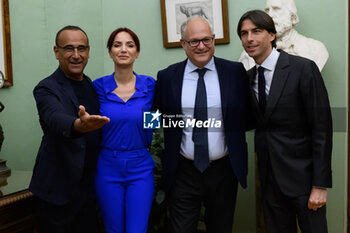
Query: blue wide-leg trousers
{"type": "Point", "coordinates": [124, 187]}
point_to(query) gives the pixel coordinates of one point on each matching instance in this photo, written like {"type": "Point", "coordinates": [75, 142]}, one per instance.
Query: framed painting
{"type": "Point", "coordinates": [6, 76]}
{"type": "Point", "coordinates": [175, 12]}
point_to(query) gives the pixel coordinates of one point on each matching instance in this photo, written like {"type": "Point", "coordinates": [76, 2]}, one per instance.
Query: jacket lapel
{"type": "Point", "coordinates": [66, 86]}
{"type": "Point", "coordinates": [176, 85]}
{"type": "Point", "coordinates": [279, 79]}
{"type": "Point", "coordinates": [223, 82]}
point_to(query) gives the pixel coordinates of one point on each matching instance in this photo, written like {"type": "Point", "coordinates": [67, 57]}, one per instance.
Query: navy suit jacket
{"type": "Point", "coordinates": [294, 134]}
{"type": "Point", "coordinates": [233, 90]}
{"type": "Point", "coordinates": [59, 165]}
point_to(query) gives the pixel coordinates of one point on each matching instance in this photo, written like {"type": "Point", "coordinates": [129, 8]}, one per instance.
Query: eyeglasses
{"type": "Point", "coordinates": [71, 48]}
{"type": "Point", "coordinates": [205, 40]}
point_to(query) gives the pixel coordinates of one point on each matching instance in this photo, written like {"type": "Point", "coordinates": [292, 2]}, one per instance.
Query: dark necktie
{"type": "Point", "coordinates": [261, 89]}
{"type": "Point", "coordinates": [200, 135]}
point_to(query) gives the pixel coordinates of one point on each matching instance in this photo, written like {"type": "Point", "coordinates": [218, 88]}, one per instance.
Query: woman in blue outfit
{"type": "Point", "coordinates": [124, 180]}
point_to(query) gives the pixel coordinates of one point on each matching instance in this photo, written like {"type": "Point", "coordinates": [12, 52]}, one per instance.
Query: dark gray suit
{"type": "Point", "coordinates": [293, 138]}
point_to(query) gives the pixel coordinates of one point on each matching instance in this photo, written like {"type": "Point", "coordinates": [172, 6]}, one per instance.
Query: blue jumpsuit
{"type": "Point", "coordinates": [124, 180]}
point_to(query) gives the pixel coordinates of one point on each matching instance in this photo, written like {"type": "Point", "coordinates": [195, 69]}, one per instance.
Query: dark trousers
{"type": "Point", "coordinates": [282, 212]}
{"type": "Point", "coordinates": [216, 188]}
{"type": "Point", "coordinates": [77, 216]}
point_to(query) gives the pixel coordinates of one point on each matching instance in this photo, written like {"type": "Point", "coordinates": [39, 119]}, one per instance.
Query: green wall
{"type": "Point", "coordinates": [35, 23]}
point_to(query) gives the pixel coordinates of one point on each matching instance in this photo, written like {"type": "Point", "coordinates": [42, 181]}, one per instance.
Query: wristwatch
{"type": "Point", "coordinates": [2, 79]}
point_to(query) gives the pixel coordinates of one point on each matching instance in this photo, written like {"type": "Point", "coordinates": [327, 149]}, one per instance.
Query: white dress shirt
{"type": "Point", "coordinates": [269, 66]}
{"type": "Point", "coordinates": [216, 137]}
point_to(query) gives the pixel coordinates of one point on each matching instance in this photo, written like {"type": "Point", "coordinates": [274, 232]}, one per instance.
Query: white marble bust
{"type": "Point", "coordinates": [284, 14]}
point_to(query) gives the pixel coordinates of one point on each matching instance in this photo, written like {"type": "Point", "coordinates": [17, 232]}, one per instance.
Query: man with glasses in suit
{"type": "Point", "coordinates": [203, 164]}
{"type": "Point", "coordinates": [63, 175]}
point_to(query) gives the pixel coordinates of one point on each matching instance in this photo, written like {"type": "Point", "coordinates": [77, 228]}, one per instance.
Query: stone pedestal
{"type": "Point", "coordinates": [4, 170]}
{"type": "Point", "coordinates": [4, 173]}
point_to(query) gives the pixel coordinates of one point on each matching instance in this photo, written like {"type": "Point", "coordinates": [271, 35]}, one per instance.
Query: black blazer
{"type": "Point", "coordinates": [295, 133]}
{"type": "Point", "coordinates": [233, 91]}
{"type": "Point", "coordinates": [60, 161]}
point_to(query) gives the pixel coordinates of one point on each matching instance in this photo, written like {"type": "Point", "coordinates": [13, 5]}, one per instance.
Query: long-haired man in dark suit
{"type": "Point", "coordinates": [293, 138]}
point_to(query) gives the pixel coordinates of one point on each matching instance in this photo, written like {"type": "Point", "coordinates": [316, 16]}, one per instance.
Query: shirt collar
{"type": "Point", "coordinates": [271, 61]}
{"type": "Point", "coordinates": [190, 67]}
{"type": "Point", "coordinates": [141, 86]}
{"type": "Point", "coordinates": [109, 84]}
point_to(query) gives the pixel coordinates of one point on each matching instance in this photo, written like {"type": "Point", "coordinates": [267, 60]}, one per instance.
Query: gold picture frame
{"type": "Point", "coordinates": [175, 12]}
{"type": "Point", "coordinates": [5, 47]}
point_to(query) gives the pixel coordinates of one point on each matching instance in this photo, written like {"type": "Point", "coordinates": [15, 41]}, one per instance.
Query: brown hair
{"type": "Point", "coordinates": [131, 33]}
{"type": "Point", "coordinates": [261, 19]}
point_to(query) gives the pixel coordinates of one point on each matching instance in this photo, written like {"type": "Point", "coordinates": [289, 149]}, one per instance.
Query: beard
{"type": "Point", "coordinates": [282, 28]}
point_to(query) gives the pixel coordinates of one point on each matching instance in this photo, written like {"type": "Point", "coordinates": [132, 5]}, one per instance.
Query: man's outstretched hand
{"type": "Point", "coordinates": [86, 122]}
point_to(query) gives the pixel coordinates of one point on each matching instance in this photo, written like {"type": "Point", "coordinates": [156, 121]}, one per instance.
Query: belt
{"type": "Point", "coordinates": [123, 153]}
{"type": "Point", "coordinates": [224, 159]}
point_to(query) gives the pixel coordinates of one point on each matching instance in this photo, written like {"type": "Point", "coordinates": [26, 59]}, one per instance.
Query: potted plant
{"type": "Point", "coordinates": [157, 218]}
